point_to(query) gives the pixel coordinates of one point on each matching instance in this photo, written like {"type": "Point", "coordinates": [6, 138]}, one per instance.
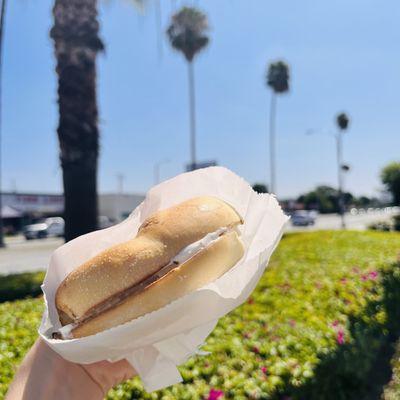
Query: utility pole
{"type": "Point", "coordinates": [2, 15]}
{"type": "Point", "coordinates": [120, 183]}
{"type": "Point", "coordinates": [157, 167]}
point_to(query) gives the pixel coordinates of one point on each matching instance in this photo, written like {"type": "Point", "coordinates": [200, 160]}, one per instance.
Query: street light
{"type": "Point", "coordinates": [157, 166]}
{"type": "Point", "coordinates": [342, 121]}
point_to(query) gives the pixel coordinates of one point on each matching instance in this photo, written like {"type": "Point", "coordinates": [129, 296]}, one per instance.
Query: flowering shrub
{"type": "Point", "coordinates": [320, 325]}
{"type": "Point", "coordinates": [18, 330]}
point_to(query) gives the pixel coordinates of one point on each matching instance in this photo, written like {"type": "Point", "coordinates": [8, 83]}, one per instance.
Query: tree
{"type": "Point", "coordinates": [277, 78]}
{"type": "Point", "coordinates": [390, 176]}
{"type": "Point", "coordinates": [187, 33]}
{"type": "Point", "coordinates": [342, 121]}
{"type": "Point", "coordinates": [323, 198]}
{"type": "Point", "coordinates": [76, 44]}
{"type": "Point", "coordinates": [260, 188]}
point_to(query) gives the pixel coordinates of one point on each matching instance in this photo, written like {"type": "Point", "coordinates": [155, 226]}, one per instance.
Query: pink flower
{"type": "Point", "coordinates": [335, 323]}
{"type": "Point", "coordinates": [373, 275]}
{"type": "Point", "coordinates": [256, 350]}
{"type": "Point", "coordinates": [364, 277]}
{"type": "Point", "coordinates": [215, 394]}
{"type": "Point", "coordinates": [340, 336]}
{"type": "Point", "coordinates": [264, 370]}
{"type": "Point", "coordinates": [343, 280]}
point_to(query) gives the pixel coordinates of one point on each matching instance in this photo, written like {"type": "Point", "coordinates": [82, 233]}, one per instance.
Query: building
{"type": "Point", "coordinates": [19, 209]}
{"type": "Point", "coordinates": [117, 206]}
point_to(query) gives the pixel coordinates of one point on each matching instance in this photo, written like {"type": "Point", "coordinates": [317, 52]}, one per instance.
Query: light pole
{"type": "Point", "coordinates": [342, 122]}
{"type": "Point", "coordinates": [157, 166]}
{"type": "Point", "coordinates": [2, 15]}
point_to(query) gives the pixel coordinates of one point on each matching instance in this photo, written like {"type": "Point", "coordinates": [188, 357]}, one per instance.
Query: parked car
{"type": "Point", "coordinates": [303, 218]}
{"type": "Point", "coordinates": [48, 227]}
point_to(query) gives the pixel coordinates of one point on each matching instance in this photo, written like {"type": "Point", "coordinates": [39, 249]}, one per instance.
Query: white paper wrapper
{"type": "Point", "coordinates": [156, 343]}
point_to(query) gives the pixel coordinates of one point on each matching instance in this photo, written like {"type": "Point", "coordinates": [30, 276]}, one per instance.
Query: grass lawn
{"type": "Point", "coordinates": [320, 325]}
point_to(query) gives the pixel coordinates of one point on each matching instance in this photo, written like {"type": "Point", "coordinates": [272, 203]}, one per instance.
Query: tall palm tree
{"type": "Point", "coordinates": [342, 121]}
{"type": "Point", "coordinates": [188, 34]}
{"type": "Point", "coordinates": [76, 44]}
{"type": "Point", "coordinates": [277, 78]}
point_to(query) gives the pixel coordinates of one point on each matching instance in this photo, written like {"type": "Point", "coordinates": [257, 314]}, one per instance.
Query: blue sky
{"type": "Point", "coordinates": [343, 56]}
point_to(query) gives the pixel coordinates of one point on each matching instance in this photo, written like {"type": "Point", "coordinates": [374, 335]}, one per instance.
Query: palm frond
{"type": "Point", "coordinates": [188, 31]}
{"type": "Point", "coordinates": [277, 76]}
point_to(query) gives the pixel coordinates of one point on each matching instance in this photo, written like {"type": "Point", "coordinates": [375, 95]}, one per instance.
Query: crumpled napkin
{"type": "Point", "coordinates": [156, 343]}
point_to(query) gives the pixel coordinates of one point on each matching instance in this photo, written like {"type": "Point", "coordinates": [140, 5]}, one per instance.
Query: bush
{"type": "Point", "coordinates": [19, 286]}
{"type": "Point", "coordinates": [319, 326]}
{"type": "Point", "coordinates": [383, 226]}
{"type": "Point", "coordinates": [19, 321]}
{"type": "Point", "coordinates": [396, 222]}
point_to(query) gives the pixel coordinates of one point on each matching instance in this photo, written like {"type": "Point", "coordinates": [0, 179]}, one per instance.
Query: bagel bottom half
{"type": "Point", "coordinates": [203, 268]}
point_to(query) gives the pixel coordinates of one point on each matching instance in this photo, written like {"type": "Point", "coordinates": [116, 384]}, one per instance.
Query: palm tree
{"type": "Point", "coordinates": [76, 44]}
{"type": "Point", "coordinates": [342, 121]}
{"type": "Point", "coordinates": [188, 34]}
{"type": "Point", "coordinates": [277, 78]}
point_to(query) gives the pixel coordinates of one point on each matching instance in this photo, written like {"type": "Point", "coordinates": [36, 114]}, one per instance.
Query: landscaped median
{"type": "Point", "coordinates": [321, 325]}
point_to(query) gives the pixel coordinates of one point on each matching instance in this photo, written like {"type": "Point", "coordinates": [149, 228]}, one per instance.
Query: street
{"type": "Point", "coordinates": [21, 255]}
{"type": "Point", "coordinates": [358, 221]}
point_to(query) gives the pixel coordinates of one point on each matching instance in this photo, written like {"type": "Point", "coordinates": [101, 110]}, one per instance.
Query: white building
{"type": "Point", "coordinates": [28, 206]}
{"type": "Point", "coordinates": [118, 206]}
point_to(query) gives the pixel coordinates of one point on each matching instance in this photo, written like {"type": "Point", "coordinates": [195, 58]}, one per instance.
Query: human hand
{"type": "Point", "coordinates": [45, 375]}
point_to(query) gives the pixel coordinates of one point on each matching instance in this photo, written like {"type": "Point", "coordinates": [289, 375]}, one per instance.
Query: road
{"type": "Point", "coordinates": [21, 255]}
{"type": "Point", "coordinates": [357, 222]}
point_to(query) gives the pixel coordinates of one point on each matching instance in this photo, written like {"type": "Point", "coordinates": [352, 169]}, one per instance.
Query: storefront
{"type": "Point", "coordinates": [19, 209]}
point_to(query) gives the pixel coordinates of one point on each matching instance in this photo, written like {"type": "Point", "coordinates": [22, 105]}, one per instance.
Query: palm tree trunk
{"type": "Point", "coordinates": [2, 16]}
{"type": "Point", "coordinates": [272, 121]}
{"type": "Point", "coordinates": [192, 111]}
{"type": "Point", "coordinates": [340, 178]}
{"type": "Point", "coordinates": [76, 43]}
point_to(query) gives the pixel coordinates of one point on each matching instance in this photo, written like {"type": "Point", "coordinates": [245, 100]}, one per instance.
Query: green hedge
{"type": "Point", "coordinates": [19, 286]}
{"type": "Point", "coordinates": [320, 325]}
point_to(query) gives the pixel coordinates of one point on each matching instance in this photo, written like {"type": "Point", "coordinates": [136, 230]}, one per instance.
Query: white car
{"type": "Point", "coordinates": [48, 227]}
